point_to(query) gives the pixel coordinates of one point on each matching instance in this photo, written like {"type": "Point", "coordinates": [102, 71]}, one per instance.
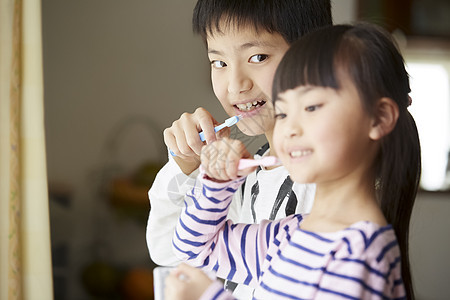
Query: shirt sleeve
{"type": "Point", "coordinates": [166, 197]}
{"type": "Point", "coordinates": [217, 292]}
{"type": "Point", "coordinates": [206, 239]}
{"type": "Point", "coordinates": [367, 273]}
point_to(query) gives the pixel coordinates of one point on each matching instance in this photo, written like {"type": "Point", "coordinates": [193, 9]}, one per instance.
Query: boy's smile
{"type": "Point", "coordinates": [243, 63]}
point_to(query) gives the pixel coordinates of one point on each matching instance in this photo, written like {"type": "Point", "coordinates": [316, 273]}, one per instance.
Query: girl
{"type": "Point", "coordinates": [341, 98]}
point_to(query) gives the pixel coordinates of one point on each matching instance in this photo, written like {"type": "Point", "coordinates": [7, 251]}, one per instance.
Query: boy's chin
{"type": "Point", "coordinates": [255, 126]}
{"type": "Point", "coordinates": [251, 129]}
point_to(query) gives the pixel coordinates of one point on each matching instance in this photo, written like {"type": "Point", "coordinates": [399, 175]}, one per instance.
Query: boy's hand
{"type": "Point", "coordinates": [183, 139]}
{"type": "Point", "coordinates": [186, 283]}
{"type": "Point", "coordinates": [221, 159]}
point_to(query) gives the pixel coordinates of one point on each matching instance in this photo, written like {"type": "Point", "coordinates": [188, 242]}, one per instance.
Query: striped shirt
{"type": "Point", "coordinates": [279, 259]}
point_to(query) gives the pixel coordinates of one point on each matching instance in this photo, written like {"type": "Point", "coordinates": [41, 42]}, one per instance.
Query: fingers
{"type": "Point", "coordinates": [246, 171]}
{"type": "Point", "coordinates": [186, 282]}
{"type": "Point", "coordinates": [222, 133]}
{"type": "Point", "coordinates": [182, 137]}
{"type": "Point", "coordinates": [174, 287]}
{"type": "Point", "coordinates": [221, 159]}
{"type": "Point", "coordinates": [206, 122]}
{"type": "Point", "coordinates": [186, 272]}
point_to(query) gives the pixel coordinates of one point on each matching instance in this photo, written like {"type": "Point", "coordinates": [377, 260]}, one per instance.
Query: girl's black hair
{"type": "Point", "coordinates": [290, 18]}
{"type": "Point", "coordinates": [369, 57]}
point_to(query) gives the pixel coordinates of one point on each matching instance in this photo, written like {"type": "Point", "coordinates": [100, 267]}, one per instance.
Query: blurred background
{"type": "Point", "coordinates": [117, 73]}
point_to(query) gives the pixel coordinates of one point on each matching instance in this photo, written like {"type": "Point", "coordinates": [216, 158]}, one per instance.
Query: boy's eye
{"type": "Point", "coordinates": [218, 64]}
{"type": "Point", "coordinates": [258, 58]}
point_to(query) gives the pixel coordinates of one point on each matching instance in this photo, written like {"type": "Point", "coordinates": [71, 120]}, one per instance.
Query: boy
{"type": "Point", "coordinates": [245, 41]}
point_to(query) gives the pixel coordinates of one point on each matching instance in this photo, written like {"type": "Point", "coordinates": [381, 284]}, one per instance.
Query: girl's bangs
{"type": "Point", "coordinates": [310, 61]}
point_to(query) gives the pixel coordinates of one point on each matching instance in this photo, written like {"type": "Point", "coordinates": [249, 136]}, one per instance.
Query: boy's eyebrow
{"type": "Point", "coordinates": [247, 45]}
{"type": "Point", "coordinates": [257, 44]}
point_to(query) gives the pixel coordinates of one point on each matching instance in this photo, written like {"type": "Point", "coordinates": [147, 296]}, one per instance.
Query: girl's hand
{"type": "Point", "coordinates": [220, 159]}
{"type": "Point", "coordinates": [183, 139]}
{"type": "Point", "coordinates": [186, 283]}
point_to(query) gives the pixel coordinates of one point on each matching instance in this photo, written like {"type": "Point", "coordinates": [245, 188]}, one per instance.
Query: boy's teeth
{"type": "Point", "coordinates": [248, 106]}
{"type": "Point", "coordinates": [300, 153]}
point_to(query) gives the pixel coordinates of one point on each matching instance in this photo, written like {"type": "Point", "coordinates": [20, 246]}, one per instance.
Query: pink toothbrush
{"type": "Point", "coordinates": [265, 161]}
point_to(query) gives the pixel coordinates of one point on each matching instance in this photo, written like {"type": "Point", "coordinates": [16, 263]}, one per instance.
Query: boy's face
{"type": "Point", "coordinates": [243, 64]}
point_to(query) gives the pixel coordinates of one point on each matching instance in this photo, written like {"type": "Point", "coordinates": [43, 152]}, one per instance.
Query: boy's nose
{"type": "Point", "coordinates": [239, 82]}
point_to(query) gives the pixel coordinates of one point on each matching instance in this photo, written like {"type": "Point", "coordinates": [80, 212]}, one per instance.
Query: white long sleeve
{"type": "Point", "coordinates": [166, 202]}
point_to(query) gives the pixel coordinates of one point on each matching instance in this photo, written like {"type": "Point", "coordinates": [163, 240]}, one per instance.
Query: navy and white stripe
{"type": "Point", "coordinates": [280, 260]}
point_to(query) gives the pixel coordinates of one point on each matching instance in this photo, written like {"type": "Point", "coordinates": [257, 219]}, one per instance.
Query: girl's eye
{"type": "Point", "coordinates": [258, 58]}
{"type": "Point", "coordinates": [280, 116]}
{"type": "Point", "coordinates": [218, 64]}
{"type": "Point", "coordinates": [312, 107]}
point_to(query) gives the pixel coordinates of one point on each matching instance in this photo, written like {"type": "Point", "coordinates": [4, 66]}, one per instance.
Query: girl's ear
{"type": "Point", "coordinates": [384, 119]}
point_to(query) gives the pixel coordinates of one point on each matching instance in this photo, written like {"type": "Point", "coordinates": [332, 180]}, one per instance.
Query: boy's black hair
{"type": "Point", "coordinates": [369, 57]}
{"type": "Point", "coordinates": [290, 18]}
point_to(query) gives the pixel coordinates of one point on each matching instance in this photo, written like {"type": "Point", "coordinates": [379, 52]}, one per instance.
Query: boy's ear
{"type": "Point", "coordinates": [384, 119]}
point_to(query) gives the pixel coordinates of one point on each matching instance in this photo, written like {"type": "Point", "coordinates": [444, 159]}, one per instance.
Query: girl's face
{"type": "Point", "coordinates": [243, 63]}
{"type": "Point", "coordinates": [322, 134]}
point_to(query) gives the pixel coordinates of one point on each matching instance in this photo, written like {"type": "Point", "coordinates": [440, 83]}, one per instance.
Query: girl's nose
{"type": "Point", "coordinates": [293, 128]}
{"type": "Point", "coordinates": [239, 82]}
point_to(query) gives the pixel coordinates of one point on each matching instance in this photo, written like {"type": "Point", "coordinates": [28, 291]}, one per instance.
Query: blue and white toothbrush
{"type": "Point", "coordinates": [227, 123]}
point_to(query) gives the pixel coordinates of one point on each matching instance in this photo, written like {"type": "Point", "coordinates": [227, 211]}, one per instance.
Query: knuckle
{"type": "Point", "coordinates": [167, 132]}
{"type": "Point", "coordinates": [184, 149]}
{"type": "Point", "coordinates": [193, 142]}
{"type": "Point", "coordinates": [184, 117]}
{"type": "Point", "coordinates": [200, 110]}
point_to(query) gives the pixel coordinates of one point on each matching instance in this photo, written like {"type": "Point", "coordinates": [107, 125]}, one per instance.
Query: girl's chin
{"type": "Point", "coordinates": [300, 178]}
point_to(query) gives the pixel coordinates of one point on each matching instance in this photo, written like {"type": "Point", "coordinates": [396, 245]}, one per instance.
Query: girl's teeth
{"type": "Point", "coordinates": [300, 153]}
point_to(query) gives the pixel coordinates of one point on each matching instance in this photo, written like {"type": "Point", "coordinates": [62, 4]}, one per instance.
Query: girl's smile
{"type": "Point", "coordinates": [300, 153]}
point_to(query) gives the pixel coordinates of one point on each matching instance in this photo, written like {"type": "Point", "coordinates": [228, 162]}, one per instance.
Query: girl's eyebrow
{"type": "Point", "coordinates": [279, 99]}
{"type": "Point", "coordinates": [304, 90]}
{"type": "Point", "coordinates": [300, 92]}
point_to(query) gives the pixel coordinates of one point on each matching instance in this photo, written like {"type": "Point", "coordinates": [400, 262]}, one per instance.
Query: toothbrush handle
{"type": "Point", "coordinates": [266, 161]}
{"type": "Point", "coordinates": [227, 123]}
{"type": "Point", "coordinates": [217, 128]}
{"type": "Point", "coordinates": [202, 136]}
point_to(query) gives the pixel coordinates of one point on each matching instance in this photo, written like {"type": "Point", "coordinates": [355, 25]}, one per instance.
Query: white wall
{"type": "Point", "coordinates": [430, 246]}
{"type": "Point", "coordinates": [344, 11]}
{"type": "Point", "coordinates": [107, 61]}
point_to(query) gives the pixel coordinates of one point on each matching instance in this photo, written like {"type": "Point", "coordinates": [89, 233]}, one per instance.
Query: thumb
{"type": "Point", "coordinates": [246, 171]}
{"type": "Point", "coordinates": [223, 133]}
